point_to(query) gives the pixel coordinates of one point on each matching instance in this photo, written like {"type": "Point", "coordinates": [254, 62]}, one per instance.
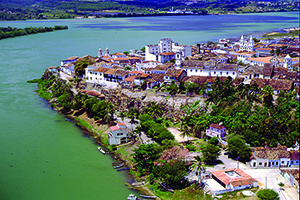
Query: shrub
{"type": "Point", "coordinates": [267, 194]}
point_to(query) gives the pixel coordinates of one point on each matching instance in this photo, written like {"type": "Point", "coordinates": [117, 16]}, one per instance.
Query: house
{"type": "Point", "coordinates": [165, 57]}
{"type": "Point", "coordinates": [121, 61]}
{"type": "Point", "coordinates": [225, 70]}
{"type": "Point", "coordinates": [69, 60]}
{"type": "Point", "coordinates": [229, 180]}
{"type": "Point", "coordinates": [277, 84]}
{"type": "Point", "coordinates": [118, 134]}
{"type": "Point", "coordinates": [243, 56]}
{"type": "Point", "coordinates": [294, 157]}
{"type": "Point", "coordinates": [264, 51]}
{"type": "Point", "coordinates": [216, 130]}
{"type": "Point", "coordinates": [68, 68]}
{"type": "Point", "coordinates": [292, 176]}
{"type": "Point", "coordinates": [271, 157]}
{"type": "Point", "coordinates": [174, 75]}
{"type": "Point", "coordinates": [118, 55]}
{"type": "Point", "coordinates": [137, 79]}
{"type": "Point", "coordinates": [115, 75]}
{"type": "Point", "coordinates": [95, 73]}
{"type": "Point", "coordinates": [197, 68]}
{"type": "Point", "coordinates": [161, 69]}
{"type": "Point", "coordinates": [260, 61]}
{"type": "Point", "coordinates": [255, 71]}
{"type": "Point", "coordinates": [147, 65]}
{"type": "Point", "coordinates": [93, 94]}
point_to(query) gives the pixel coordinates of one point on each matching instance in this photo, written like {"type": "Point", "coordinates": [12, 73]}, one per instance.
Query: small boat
{"type": "Point", "coordinates": [123, 169]}
{"type": "Point", "coordinates": [137, 184]}
{"type": "Point", "coordinates": [116, 163]}
{"type": "Point", "coordinates": [166, 187]}
{"type": "Point", "coordinates": [148, 197]}
{"type": "Point", "coordinates": [132, 197]}
{"type": "Point", "coordinates": [118, 166]}
{"type": "Point", "coordinates": [101, 150]}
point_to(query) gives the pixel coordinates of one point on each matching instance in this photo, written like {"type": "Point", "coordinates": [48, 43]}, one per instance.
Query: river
{"type": "Point", "coordinates": [44, 156]}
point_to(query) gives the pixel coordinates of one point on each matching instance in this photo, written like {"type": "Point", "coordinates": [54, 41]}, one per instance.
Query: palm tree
{"type": "Point", "coordinates": [154, 110]}
{"type": "Point", "coordinates": [197, 164]}
{"type": "Point", "coordinates": [186, 131]}
{"type": "Point", "coordinates": [268, 95]}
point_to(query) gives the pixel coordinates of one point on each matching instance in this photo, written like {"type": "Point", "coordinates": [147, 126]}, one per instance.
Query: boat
{"type": "Point", "coordinates": [123, 169]}
{"type": "Point", "coordinates": [148, 197]}
{"type": "Point", "coordinates": [132, 197]}
{"type": "Point", "coordinates": [166, 187]}
{"type": "Point", "coordinates": [116, 163]}
{"type": "Point", "coordinates": [137, 184]}
{"type": "Point", "coordinates": [101, 150]}
{"type": "Point", "coordinates": [118, 166]}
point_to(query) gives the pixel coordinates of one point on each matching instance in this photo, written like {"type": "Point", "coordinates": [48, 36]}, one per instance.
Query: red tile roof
{"type": "Point", "coordinates": [130, 79]}
{"type": "Point", "coordinates": [114, 128]}
{"type": "Point", "coordinates": [244, 178]}
{"type": "Point", "coordinates": [167, 54]}
{"type": "Point", "coordinates": [217, 126]}
{"type": "Point", "coordinates": [92, 93]}
{"type": "Point", "coordinates": [121, 124]}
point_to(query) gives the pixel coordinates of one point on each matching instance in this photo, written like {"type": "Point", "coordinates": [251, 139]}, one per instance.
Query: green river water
{"type": "Point", "coordinates": [44, 156]}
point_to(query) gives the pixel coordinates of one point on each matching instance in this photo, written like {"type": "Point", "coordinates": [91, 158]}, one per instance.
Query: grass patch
{"type": "Point", "coordinates": [238, 195]}
{"type": "Point", "coordinates": [43, 94]}
{"type": "Point", "coordinates": [189, 193]}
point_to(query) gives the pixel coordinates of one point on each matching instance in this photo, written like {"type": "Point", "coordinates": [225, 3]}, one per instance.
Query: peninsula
{"type": "Point", "coordinates": [190, 120]}
{"type": "Point", "coordinates": [10, 32]}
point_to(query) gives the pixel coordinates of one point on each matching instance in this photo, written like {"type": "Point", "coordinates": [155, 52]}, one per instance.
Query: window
{"type": "Point", "coordinates": [260, 163]}
{"type": "Point", "coordinates": [191, 70]}
{"type": "Point", "coordinates": [233, 73]}
{"type": "Point", "coordinates": [196, 70]}
{"type": "Point", "coordinates": [282, 162]}
{"type": "Point", "coordinates": [276, 163]}
{"type": "Point", "coordinates": [227, 73]}
{"type": "Point", "coordinates": [214, 72]}
{"type": "Point", "coordinates": [220, 73]}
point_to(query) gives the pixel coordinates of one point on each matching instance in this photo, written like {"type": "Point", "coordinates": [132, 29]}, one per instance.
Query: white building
{"type": "Point", "coordinates": [146, 65]}
{"type": "Point", "coordinates": [165, 45]}
{"type": "Point", "coordinates": [202, 68]}
{"type": "Point", "coordinates": [118, 134]}
{"type": "Point", "coordinates": [216, 130]}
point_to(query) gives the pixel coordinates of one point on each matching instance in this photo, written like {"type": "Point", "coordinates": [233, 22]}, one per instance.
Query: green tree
{"type": "Point", "coordinates": [197, 164]}
{"type": "Point", "coordinates": [210, 152]}
{"type": "Point", "coordinates": [154, 109]}
{"type": "Point", "coordinates": [172, 88]}
{"type": "Point", "coordinates": [144, 157]}
{"type": "Point", "coordinates": [268, 194]}
{"type": "Point", "coordinates": [81, 65]}
{"type": "Point", "coordinates": [268, 95]}
{"type": "Point", "coordinates": [213, 141]}
{"type": "Point", "coordinates": [172, 174]}
{"type": "Point", "coordinates": [122, 115]}
{"type": "Point", "coordinates": [237, 147]}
